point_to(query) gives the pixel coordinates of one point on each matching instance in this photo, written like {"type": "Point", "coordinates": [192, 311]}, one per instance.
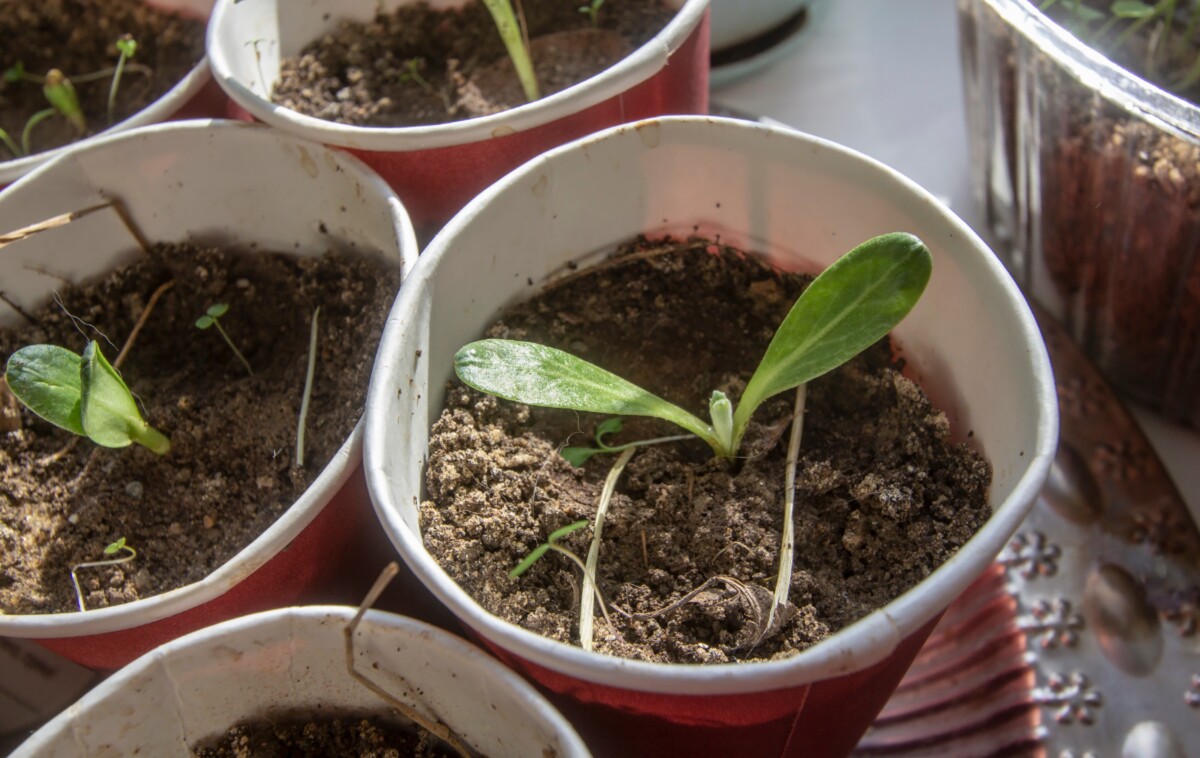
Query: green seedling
{"type": "Point", "coordinates": [516, 45]}
{"type": "Point", "coordinates": [592, 11]}
{"type": "Point", "coordinates": [851, 305]}
{"type": "Point", "coordinates": [211, 318]}
{"type": "Point", "coordinates": [412, 73]}
{"type": "Point", "coordinates": [126, 48]}
{"type": "Point", "coordinates": [588, 596]}
{"type": "Point", "coordinates": [551, 543]}
{"type": "Point", "coordinates": [577, 456]}
{"type": "Point", "coordinates": [60, 93]}
{"type": "Point", "coordinates": [113, 549]}
{"type": "Point", "coordinates": [82, 394]}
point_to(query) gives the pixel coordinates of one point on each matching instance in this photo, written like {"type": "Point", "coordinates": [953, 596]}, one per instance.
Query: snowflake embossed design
{"type": "Point", "coordinates": [1072, 698]}
{"type": "Point", "coordinates": [1052, 623]}
{"type": "Point", "coordinates": [1160, 530]}
{"type": "Point", "coordinates": [1031, 555]}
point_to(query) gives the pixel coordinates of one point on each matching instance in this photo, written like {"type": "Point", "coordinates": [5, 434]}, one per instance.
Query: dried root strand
{"type": "Point", "coordinates": [431, 725]}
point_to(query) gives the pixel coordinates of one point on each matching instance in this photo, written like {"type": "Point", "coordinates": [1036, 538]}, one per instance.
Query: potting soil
{"type": "Point", "coordinates": [884, 495]}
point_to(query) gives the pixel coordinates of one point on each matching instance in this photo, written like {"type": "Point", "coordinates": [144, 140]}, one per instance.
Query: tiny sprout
{"type": "Point", "coordinates": [127, 47]}
{"type": "Point", "coordinates": [412, 73]}
{"type": "Point", "coordinates": [60, 93]}
{"type": "Point", "coordinates": [118, 546]}
{"type": "Point", "coordinates": [551, 543]}
{"type": "Point", "coordinates": [15, 72]}
{"type": "Point", "coordinates": [210, 318]}
{"type": "Point", "coordinates": [592, 11]}
{"type": "Point", "coordinates": [82, 394]}
{"type": "Point", "coordinates": [113, 549]}
{"type": "Point", "coordinates": [577, 456]}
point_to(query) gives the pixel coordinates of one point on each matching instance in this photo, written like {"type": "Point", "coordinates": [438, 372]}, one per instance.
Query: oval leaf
{"type": "Point", "coordinates": [110, 415]}
{"type": "Point", "coordinates": [853, 303]}
{"type": "Point", "coordinates": [46, 379]}
{"type": "Point", "coordinates": [533, 374]}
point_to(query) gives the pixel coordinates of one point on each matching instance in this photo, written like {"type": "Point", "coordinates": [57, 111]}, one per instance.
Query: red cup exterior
{"type": "Point", "coordinates": [436, 183]}
{"type": "Point", "coordinates": [334, 559]}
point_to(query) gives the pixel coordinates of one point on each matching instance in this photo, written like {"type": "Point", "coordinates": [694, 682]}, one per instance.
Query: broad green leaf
{"type": "Point", "coordinates": [110, 415]}
{"type": "Point", "coordinates": [853, 303]}
{"type": "Point", "coordinates": [204, 321]}
{"type": "Point", "coordinates": [217, 310]}
{"type": "Point", "coordinates": [46, 379]}
{"type": "Point", "coordinates": [534, 374]}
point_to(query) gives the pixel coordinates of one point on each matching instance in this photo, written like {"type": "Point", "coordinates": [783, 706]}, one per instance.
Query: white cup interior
{"type": "Point", "coordinates": [213, 182]}
{"type": "Point", "coordinates": [159, 110]}
{"type": "Point", "coordinates": [247, 41]}
{"type": "Point", "coordinates": [971, 340]}
{"type": "Point", "coordinates": [198, 686]}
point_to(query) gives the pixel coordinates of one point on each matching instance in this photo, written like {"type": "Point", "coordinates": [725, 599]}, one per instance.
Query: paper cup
{"type": "Point", "coordinates": [437, 169]}
{"type": "Point", "coordinates": [199, 686]}
{"type": "Point", "coordinates": [971, 342]}
{"type": "Point", "coordinates": [194, 96]}
{"type": "Point", "coordinates": [214, 182]}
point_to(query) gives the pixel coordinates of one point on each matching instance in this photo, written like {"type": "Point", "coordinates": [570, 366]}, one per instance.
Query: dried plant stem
{"type": "Point", "coordinates": [588, 577]}
{"type": "Point", "coordinates": [588, 595]}
{"type": "Point", "coordinates": [787, 542]}
{"type": "Point", "coordinates": [434, 727]}
{"type": "Point", "coordinates": [145, 314]}
{"type": "Point", "coordinates": [131, 554]}
{"type": "Point", "coordinates": [640, 255]}
{"type": "Point", "coordinates": [308, 383]}
{"type": "Point", "coordinates": [51, 223]}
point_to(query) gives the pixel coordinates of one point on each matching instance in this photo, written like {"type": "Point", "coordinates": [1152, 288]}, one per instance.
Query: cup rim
{"type": "Point", "coordinates": [307, 506]}
{"type": "Point", "coordinates": [863, 643]}
{"type": "Point", "coordinates": [298, 619]}
{"type": "Point", "coordinates": [159, 110]}
{"type": "Point", "coordinates": [633, 69]}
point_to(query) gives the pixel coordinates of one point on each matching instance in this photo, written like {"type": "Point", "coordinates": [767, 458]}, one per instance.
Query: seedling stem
{"type": "Point", "coordinates": [127, 47]}
{"type": "Point", "coordinates": [212, 317]}
{"type": "Point", "coordinates": [117, 547]}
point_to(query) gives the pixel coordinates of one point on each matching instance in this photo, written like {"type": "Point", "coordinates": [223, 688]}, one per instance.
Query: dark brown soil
{"type": "Point", "coordinates": [320, 736]}
{"type": "Point", "coordinates": [362, 74]}
{"type": "Point", "coordinates": [884, 497]}
{"type": "Point", "coordinates": [78, 37]}
{"type": "Point", "coordinates": [231, 470]}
